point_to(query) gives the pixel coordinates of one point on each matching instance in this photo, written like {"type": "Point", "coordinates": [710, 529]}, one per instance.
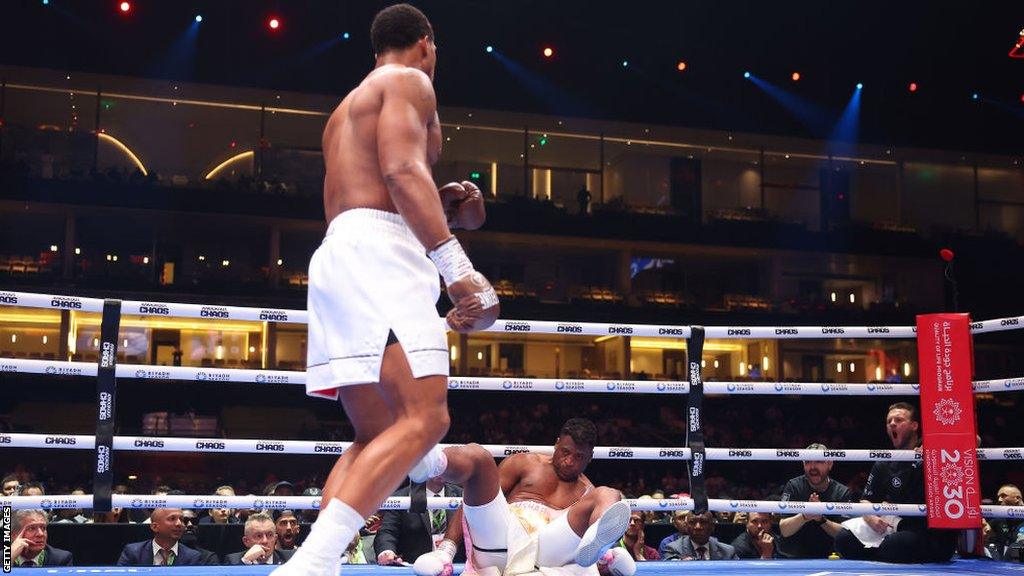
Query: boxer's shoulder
{"type": "Point", "coordinates": [403, 80]}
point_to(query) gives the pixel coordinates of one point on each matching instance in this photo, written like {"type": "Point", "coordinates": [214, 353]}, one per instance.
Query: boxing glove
{"type": "Point", "coordinates": [476, 303]}
{"type": "Point", "coordinates": [616, 562]}
{"type": "Point", "coordinates": [463, 205]}
{"type": "Point", "coordinates": [438, 562]}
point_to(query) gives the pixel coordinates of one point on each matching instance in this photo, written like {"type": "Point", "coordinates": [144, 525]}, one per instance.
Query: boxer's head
{"type": "Point", "coordinates": [405, 30]}
{"type": "Point", "coordinates": [574, 448]}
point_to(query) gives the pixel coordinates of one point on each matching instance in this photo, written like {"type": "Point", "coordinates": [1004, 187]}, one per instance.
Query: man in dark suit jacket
{"type": "Point", "coordinates": [700, 544]}
{"type": "Point", "coordinates": [164, 549]}
{"type": "Point", "coordinates": [757, 541]}
{"type": "Point", "coordinates": [406, 535]}
{"type": "Point", "coordinates": [29, 544]}
{"type": "Point", "coordinates": [260, 540]}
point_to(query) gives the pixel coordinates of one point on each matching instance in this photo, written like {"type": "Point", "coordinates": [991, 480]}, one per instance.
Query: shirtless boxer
{"type": "Point", "coordinates": [534, 511]}
{"type": "Point", "coordinates": [375, 339]}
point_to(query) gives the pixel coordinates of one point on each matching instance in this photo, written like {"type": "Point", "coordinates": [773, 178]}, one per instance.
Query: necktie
{"type": "Point", "coordinates": [700, 552]}
{"type": "Point", "coordinates": [437, 520]}
{"type": "Point", "coordinates": [166, 557]}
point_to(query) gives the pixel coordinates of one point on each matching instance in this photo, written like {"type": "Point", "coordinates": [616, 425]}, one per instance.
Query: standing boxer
{"type": "Point", "coordinates": [375, 340]}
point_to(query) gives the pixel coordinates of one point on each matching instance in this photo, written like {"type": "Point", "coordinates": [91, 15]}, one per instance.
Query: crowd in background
{"type": "Point", "coordinates": [270, 535]}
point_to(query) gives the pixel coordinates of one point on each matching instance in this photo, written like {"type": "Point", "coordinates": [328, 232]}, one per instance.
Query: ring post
{"type": "Point", "coordinates": [106, 393]}
{"type": "Point", "coordinates": [695, 424]}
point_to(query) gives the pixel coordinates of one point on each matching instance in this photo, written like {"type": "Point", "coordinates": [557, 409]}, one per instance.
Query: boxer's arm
{"type": "Point", "coordinates": [511, 471]}
{"type": "Point", "coordinates": [408, 107]}
{"type": "Point", "coordinates": [454, 531]}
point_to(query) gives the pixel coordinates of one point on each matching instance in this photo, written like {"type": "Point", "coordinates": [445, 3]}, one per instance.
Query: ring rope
{"type": "Point", "coordinates": [262, 446]}
{"type": "Point", "coordinates": [434, 503]}
{"type": "Point", "coordinates": [490, 384]}
{"type": "Point", "coordinates": [168, 309]}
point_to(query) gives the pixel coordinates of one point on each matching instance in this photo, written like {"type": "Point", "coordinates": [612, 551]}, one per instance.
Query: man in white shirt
{"type": "Point", "coordinates": [164, 549]}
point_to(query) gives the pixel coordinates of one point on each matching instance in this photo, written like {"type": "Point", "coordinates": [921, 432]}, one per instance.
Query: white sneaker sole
{"type": "Point", "coordinates": [610, 527]}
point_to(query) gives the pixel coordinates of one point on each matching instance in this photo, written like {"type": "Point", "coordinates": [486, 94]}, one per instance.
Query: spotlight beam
{"type": "Point", "coordinates": [812, 116]}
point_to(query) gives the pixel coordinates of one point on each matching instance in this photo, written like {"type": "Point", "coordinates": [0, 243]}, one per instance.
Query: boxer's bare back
{"type": "Point", "coordinates": [387, 109]}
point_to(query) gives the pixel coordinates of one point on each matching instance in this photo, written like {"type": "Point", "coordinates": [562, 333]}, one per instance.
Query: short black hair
{"type": "Point", "coordinates": [397, 27]}
{"type": "Point", "coordinates": [581, 430]}
{"type": "Point", "coordinates": [29, 485]}
{"type": "Point", "coordinates": [908, 407]}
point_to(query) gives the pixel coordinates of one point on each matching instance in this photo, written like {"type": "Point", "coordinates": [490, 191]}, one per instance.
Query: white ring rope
{"type": "Point", "coordinates": [263, 446]}
{"type": "Point", "coordinates": [168, 309]}
{"type": "Point", "coordinates": [402, 503]}
{"type": "Point", "coordinates": [557, 385]}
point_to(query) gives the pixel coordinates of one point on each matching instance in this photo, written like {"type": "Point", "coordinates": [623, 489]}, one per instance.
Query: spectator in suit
{"type": "Point", "coordinates": [757, 541]}
{"type": "Point", "coordinates": [164, 549]}
{"type": "Point", "coordinates": [221, 515]}
{"type": "Point", "coordinates": [700, 544]}
{"type": "Point", "coordinates": [260, 540]}
{"type": "Point", "coordinates": [406, 535]}
{"type": "Point", "coordinates": [288, 530]}
{"type": "Point", "coordinates": [682, 529]}
{"type": "Point", "coordinates": [29, 545]}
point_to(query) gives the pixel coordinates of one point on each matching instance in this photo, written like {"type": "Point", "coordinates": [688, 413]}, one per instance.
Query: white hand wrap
{"type": "Point", "coordinates": [451, 261]}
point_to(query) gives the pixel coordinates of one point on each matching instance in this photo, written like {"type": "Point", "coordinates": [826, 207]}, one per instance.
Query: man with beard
{"type": "Point", "coordinates": [1002, 532]}
{"type": "Point", "coordinates": [811, 535]}
{"type": "Point", "coordinates": [288, 530]}
{"type": "Point", "coordinates": [190, 538]}
{"type": "Point", "coordinates": [534, 510]}
{"type": "Point", "coordinates": [757, 541]}
{"type": "Point", "coordinates": [910, 540]}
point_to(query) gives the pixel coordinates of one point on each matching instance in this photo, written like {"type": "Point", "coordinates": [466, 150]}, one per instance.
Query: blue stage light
{"type": "Point", "coordinates": [859, 86]}
{"type": "Point", "coordinates": [489, 49]}
{"type": "Point", "coordinates": [746, 74]}
{"type": "Point", "coordinates": [199, 17]}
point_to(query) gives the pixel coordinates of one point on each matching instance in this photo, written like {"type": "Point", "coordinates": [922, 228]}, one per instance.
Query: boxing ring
{"type": "Point", "coordinates": [107, 371]}
{"type": "Point", "coordinates": [731, 567]}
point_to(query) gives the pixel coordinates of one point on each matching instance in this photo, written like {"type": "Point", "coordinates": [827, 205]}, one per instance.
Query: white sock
{"type": "Point", "coordinates": [333, 531]}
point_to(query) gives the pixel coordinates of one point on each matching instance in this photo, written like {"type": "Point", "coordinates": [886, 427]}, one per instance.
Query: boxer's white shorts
{"type": "Point", "coordinates": [370, 276]}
